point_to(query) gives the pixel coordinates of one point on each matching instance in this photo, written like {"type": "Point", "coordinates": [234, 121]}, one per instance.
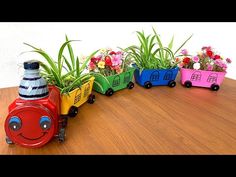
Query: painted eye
{"type": "Point", "coordinates": [45, 122]}
{"type": "Point", "coordinates": [15, 123]}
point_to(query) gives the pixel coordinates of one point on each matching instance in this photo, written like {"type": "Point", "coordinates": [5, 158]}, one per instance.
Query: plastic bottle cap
{"type": "Point", "coordinates": [31, 64]}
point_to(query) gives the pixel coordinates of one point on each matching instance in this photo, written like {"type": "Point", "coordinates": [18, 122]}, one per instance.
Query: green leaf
{"type": "Point", "coordinates": [61, 52]}
{"type": "Point", "coordinates": [76, 83]}
{"type": "Point", "coordinates": [71, 53]}
{"type": "Point", "coordinates": [57, 79]}
{"type": "Point", "coordinates": [183, 44]}
{"type": "Point", "coordinates": [77, 67]}
{"type": "Point", "coordinates": [99, 85]}
{"type": "Point", "coordinates": [67, 74]}
{"type": "Point", "coordinates": [170, 45]}
{"type": "Point", "coordinates": [151, 45]}
{"type": "Point", "coordinates": [67, 63]}
{"type": "Point", "coordinates": [31, 46]}
{"type": "Point", "coordinates": [100, 75]}
{"type": "Point", "coordinates": [159, 43]}
{"type": "Point", "coordinates": [169, 52]}
{"type": "Point", "coordinates": [45, 67]}
{"type": "Point", "coordinates": [48, 59]}
{"type": "Point", "coordinates": [144, 42]}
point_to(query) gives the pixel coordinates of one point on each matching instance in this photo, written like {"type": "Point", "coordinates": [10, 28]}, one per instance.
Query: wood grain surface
{"type": "Point", "coordinates": [160, 120]}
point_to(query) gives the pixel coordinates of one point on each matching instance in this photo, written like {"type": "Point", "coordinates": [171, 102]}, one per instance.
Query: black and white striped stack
{"type": "Point", "coordinates": [32, 86]}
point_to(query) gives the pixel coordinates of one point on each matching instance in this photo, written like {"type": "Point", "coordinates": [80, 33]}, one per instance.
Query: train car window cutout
{"type": "Point", "coordinates": [196, 76]}
{"type": "Point", "coordinates": [77, 97]}
{"type": "Point", "coordinates": [154, 76]}
{"type": "Point", "coordinates": [86, 90]}
{"type": "Point", "coordinates": [116, 81]}
{"type": "Point", "coordinates": [126, 77]}
{"type": "Point", "coordinates": [212, 78]}
{"type": "Point", "coordinates": [168, 75]}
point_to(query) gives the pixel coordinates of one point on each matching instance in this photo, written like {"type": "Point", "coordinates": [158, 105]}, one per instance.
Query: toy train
{"type": "Point", "coordinates": [35, 116]}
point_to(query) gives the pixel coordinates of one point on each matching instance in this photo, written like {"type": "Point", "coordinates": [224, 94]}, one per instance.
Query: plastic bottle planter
{"type": "Point", "coordinates": [199, 78]}
{"type": "Point", "coordinates": [71, 102]}
{"type": "Point", "coordinates": [108, 85]}
{"type": "Point", "coordinates": [154, 77]}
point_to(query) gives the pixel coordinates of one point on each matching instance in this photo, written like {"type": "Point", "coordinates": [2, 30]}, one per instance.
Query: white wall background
{"type": "Point", "coordinates": [49, 36]}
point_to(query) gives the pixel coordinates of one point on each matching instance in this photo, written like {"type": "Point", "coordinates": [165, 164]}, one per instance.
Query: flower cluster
{"type": "Point", "coordinates": [108, 62]}
{"type": "Point", "coordinates": [207, 59]}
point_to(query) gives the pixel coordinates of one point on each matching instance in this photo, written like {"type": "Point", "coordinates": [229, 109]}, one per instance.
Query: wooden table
{"type": "Point", "coordinates": [160, 120]}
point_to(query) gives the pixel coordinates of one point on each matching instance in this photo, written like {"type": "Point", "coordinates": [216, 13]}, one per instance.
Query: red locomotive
{"type": "Point", "coordinates": [34, 118]}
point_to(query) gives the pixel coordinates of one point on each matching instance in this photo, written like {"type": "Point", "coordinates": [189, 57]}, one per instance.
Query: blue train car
{"type": "Point", "coordinates": [154, 77]}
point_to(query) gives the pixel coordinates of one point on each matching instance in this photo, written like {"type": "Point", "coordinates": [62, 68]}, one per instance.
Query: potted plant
{"type": "Point", "coordinates": [112, 71]}
{"type": "Point", "coordinates": [68, 76]}
{"type": "Point", "coordinates": [154, 65]}
{"type": "Point", "coordinates": [206, 69]}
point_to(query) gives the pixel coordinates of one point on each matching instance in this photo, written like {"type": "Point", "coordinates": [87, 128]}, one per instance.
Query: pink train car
{"type": "Point", "coordinates": [200, 78]}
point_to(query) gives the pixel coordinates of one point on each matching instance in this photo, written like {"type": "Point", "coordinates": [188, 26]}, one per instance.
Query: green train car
{"type": "Point", "coordinates": [110, 84]}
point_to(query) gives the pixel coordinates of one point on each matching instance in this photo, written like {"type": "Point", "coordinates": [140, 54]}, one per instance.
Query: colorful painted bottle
{"type": "Point", "coordinates": [32, 86]}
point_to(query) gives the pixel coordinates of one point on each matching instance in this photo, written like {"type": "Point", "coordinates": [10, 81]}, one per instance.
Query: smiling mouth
{"type": "Point", "coordinates": [32, 138]}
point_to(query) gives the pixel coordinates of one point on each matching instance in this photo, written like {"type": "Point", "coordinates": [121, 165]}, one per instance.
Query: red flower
{"type": "Point", "coordinates": [209, 53]}
{"type": "Point", "coordinates": [108, 61]}
{"type": "Point", "coordinates": [92, 66]}
{"type": "Point", "coordinates": [186, 60]}
{"type": "Point", "coordinates": [93, 59]}
{"type": "Point", "coordinates": [216, 57]}
{"type": "Point", "coordinates": [112, 53]}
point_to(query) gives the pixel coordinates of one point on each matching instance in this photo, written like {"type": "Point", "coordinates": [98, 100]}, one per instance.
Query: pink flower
{"type": "Point", "coordinates": [209, 67]}
{"type": "Point", "coordinates": [181, 65]}
{"type": "Point", "coordinates": [196, 59]}
{"type": "Point", "coordinates": [92, 66]}
{"type": "Point", "coordinates": [116, 60]}
{"type": "Point", "coordinates": [224, 66]}
{"type": "Point", "coordinates": [228, 60]}
{"type": "Point", "coordinates": [219, 62]}
{"type": "Point", "coordinates": [184, 52]}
